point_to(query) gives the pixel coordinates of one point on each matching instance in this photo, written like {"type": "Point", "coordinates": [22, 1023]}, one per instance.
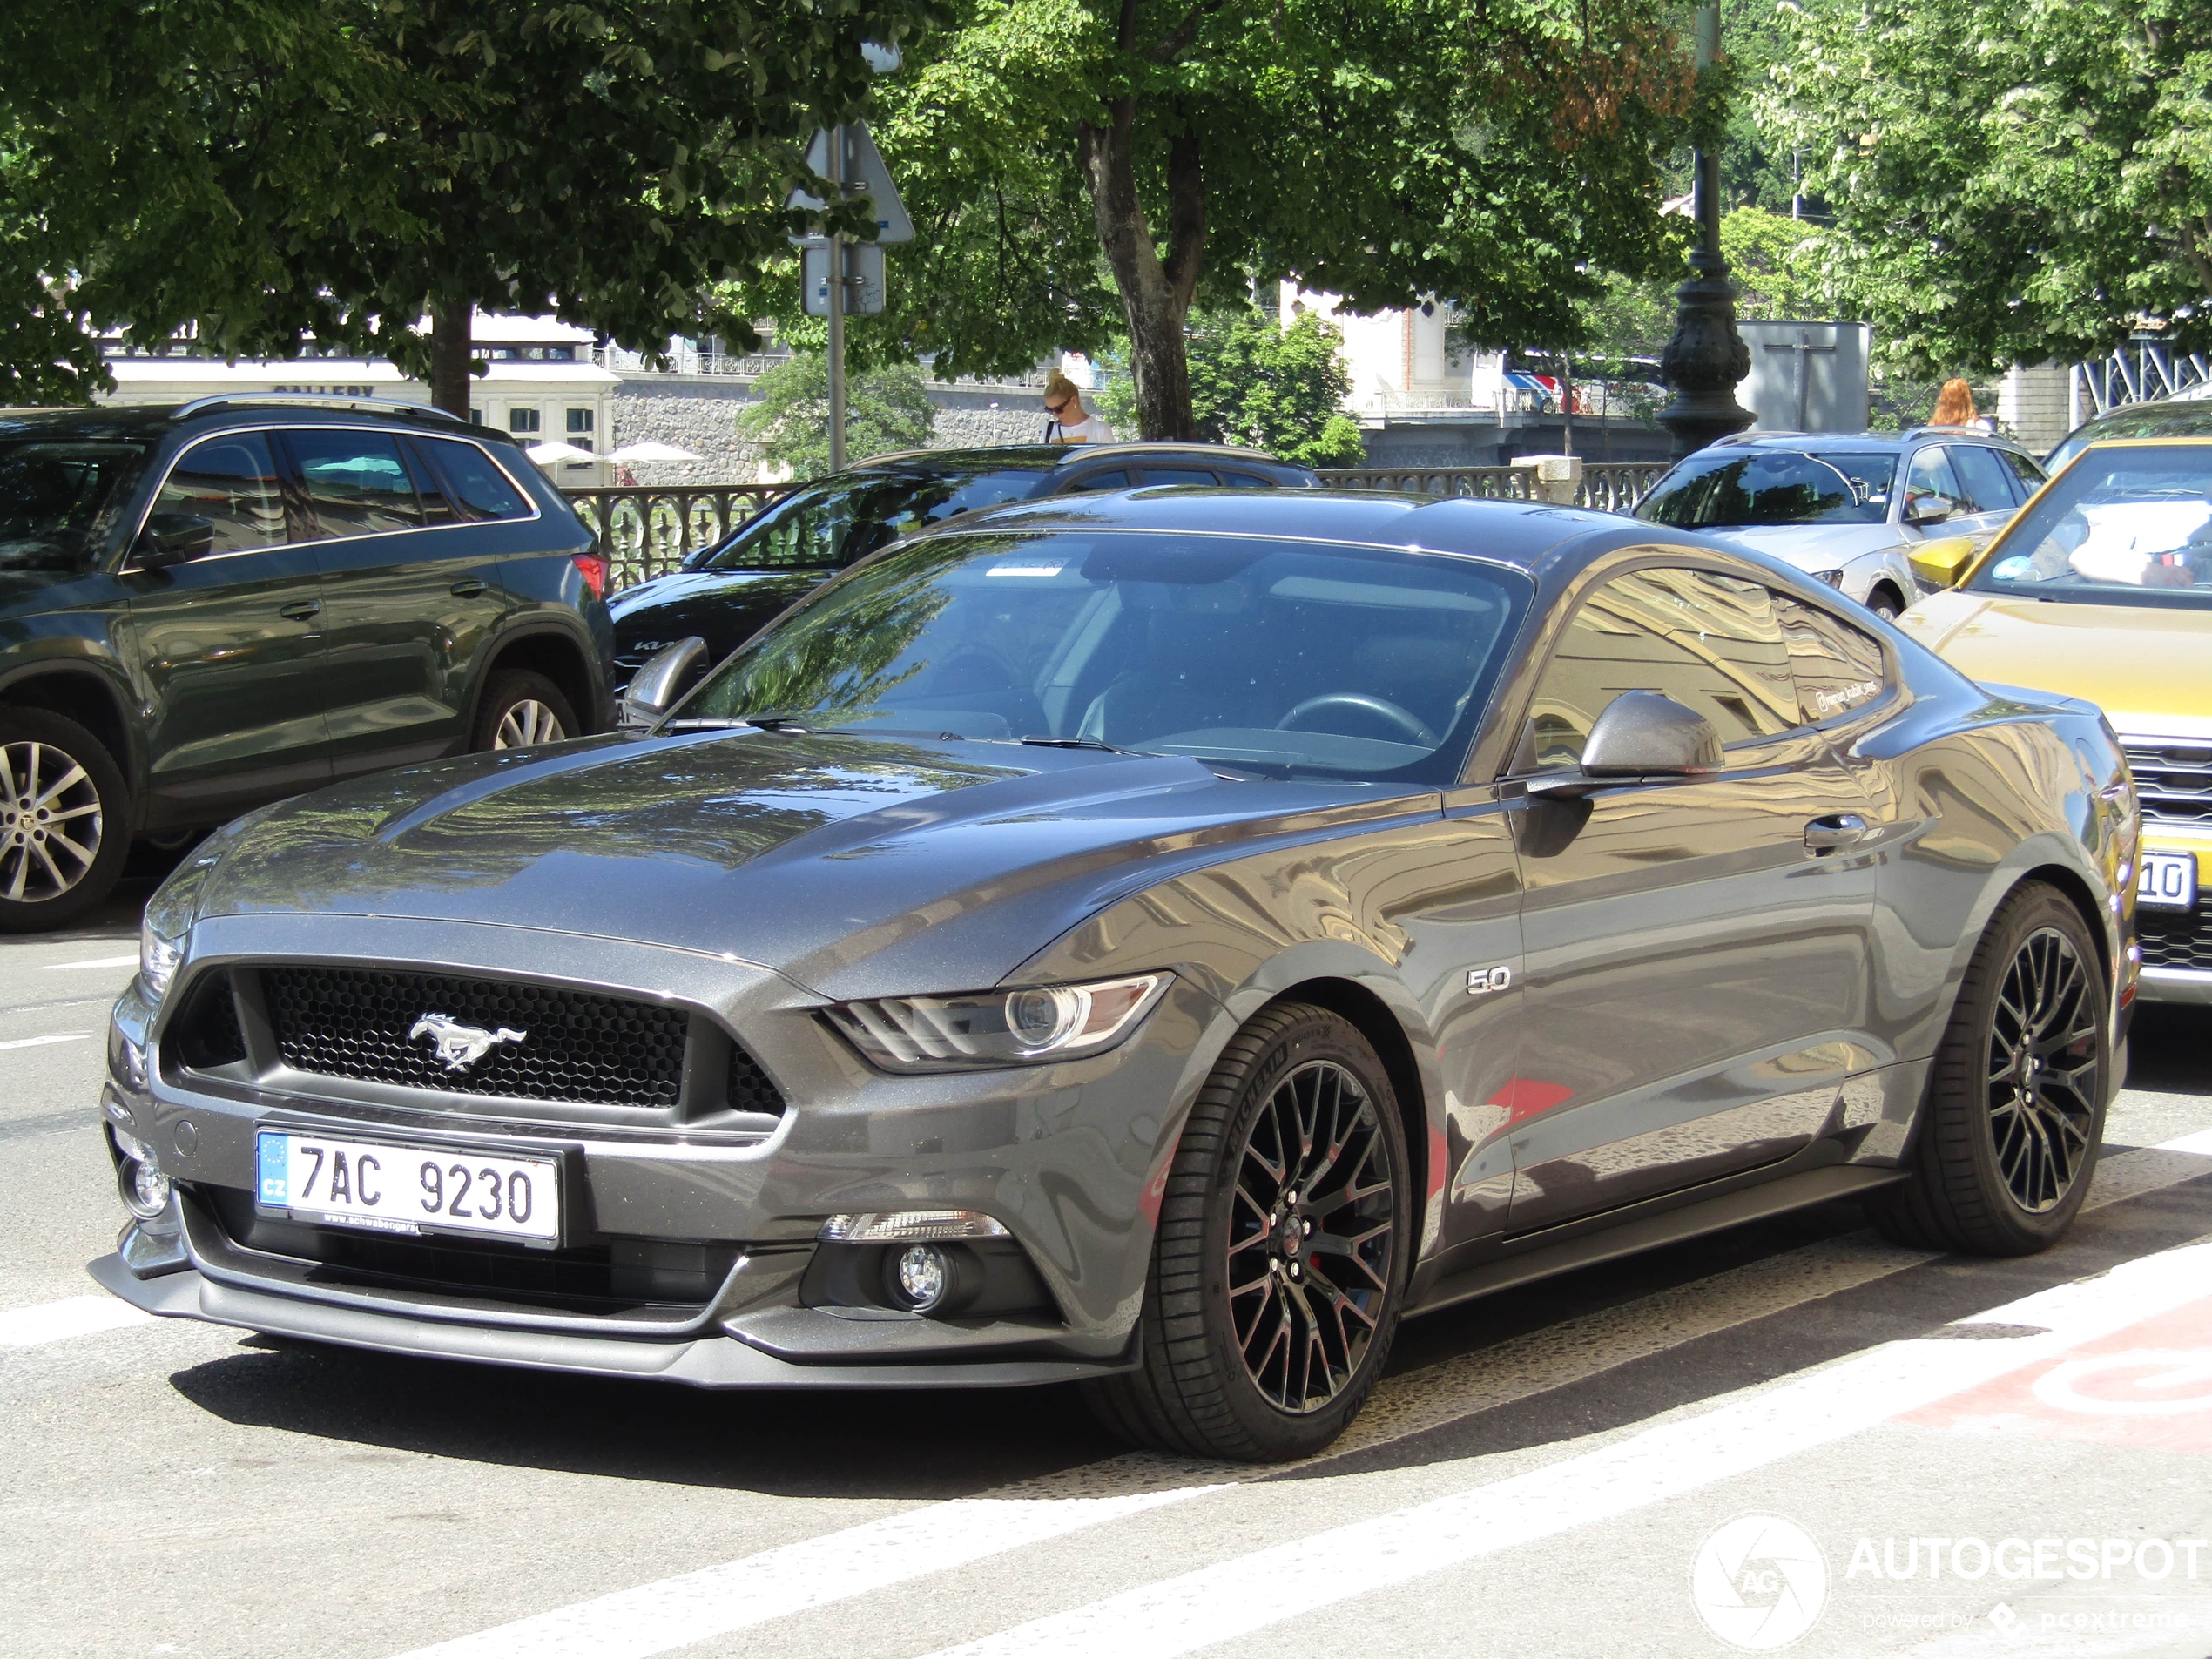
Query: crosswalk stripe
{"type": "Point", "coordinates": [719, 1599]}
{"type": "Point", "coordinates": [97, 961]}
{"type": "Point", "coordinates": [78, 1316]}
{"type": "Point", "coordinates": [1762, 1427]}
{"type": "Point", "coordinates": [40, 1042]}
{"type": "Point", "coordinates": [776, 1584]}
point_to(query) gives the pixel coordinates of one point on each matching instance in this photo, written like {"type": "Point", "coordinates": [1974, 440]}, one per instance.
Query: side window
{"type": "Point", "coordinates": [1712, 644]}
{"type": "Point", "coordinates": [1988, 481]}
{"type": "Point", "coordinates": [1930, 475]}
{"type": "Point", "coordinates": [2030, 475]}
{"type": "Point", "coordinates": [355, 480]}
{"type": "Point", "coordinates": [231, 482]}
{"type": "Point", "coordinates": [1838, 667]}
{"type": "Point", "coordinates": [807, 530]}
{"type": "Point", "coordinates": [473, 481]}
{"type": "Point", "coordinates": [1247, 481]}
{"type": "Point", "coordinates": [1180, 476]}
{"type": "Point", "coordinates": [1099, 480]}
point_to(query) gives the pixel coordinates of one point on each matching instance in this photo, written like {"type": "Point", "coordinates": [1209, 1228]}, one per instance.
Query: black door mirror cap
{"type": "Point", "coordinates": [173, 538]}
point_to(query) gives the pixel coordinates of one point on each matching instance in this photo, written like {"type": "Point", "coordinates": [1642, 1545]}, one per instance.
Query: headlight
{"type": "Point", "coordinates": [168, 923]}
{"type": "Point", "coordinates": [997, 1028]}
{"type": "Point", "coordinates": [1833, 578]}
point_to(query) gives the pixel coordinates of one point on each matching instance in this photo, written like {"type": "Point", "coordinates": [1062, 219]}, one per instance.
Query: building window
{"type": "Point", "coordinates": [520, 420]}
{"type": "Point", "coordinates": [579, 421]}
{"type": "Point", "coordinates": [475, 415]}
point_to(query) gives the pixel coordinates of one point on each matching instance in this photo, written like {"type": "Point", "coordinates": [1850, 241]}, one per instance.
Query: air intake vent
{"type": "Point", "coordinates": [2175, 780]}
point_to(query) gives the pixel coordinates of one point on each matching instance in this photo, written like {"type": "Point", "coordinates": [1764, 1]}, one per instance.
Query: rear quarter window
{"type": "Point", "coordinates": [473, 482]}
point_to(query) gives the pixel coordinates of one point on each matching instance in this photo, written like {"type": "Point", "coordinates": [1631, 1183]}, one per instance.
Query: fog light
{"type": "Point", "coordinates": [145, 1189]}
{"type": "Point", "coordinates": [924, 1276]}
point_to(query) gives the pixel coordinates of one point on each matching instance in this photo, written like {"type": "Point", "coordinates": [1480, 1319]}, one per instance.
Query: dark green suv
{"type": "Point", "coordinates": [206, 607]}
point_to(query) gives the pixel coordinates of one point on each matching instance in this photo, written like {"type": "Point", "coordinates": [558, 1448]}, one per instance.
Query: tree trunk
{"type": "Point", "coordinates": [1155, 297]}
{"type": "Point", "coordinates": [451, 348]}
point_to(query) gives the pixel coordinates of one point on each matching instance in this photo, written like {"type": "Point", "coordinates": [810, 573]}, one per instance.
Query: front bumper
{"type": "Point", "coordinates": [1061, 1155]}
{"type": "Point", "coordinates": [2176, 945]}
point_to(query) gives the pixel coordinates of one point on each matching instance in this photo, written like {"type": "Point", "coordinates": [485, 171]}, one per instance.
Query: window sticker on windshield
{"type": "Point", "coordinates": [1025, 569]}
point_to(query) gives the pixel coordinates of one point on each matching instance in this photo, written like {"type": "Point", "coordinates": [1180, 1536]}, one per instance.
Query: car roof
{"type": "Point", "coordinates": [2188, 418]}
{"type": "Point", "coordinates": [145, 421]}
{"type": "Point", "coordinates": [1046, 457]}
{"type": "Point", "coordinates": [1859, 442]}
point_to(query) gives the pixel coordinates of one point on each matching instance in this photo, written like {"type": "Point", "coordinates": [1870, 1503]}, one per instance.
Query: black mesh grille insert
{"type": "Point", "coordinates": [571, 1045]}
{"type": "Point", "coordinates": [2173, 939]}
{"type": "Point", "coordinates": [2175, 781]}
{"type": "Point", "coordinates": [749, 1089]}
{"type": "Point", "coordinates": [206, 1032]}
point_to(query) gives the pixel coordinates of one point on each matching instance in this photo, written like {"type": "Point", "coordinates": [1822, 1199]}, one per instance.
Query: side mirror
{"type": "Point", "coordinates": [656, 686]}
{"type": "Point", "coordinates": [173, 538]}
{"type": "Point", "coordinates": [1641, 735]}
{"type": "Point", "coordinates": [1929, 510]}
{"type": "Point", "coordinates": [1939, 564]}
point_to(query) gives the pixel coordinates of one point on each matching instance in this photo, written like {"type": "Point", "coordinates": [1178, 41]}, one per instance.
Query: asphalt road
{"type": "Point", "coordinates": [1951, 1457]}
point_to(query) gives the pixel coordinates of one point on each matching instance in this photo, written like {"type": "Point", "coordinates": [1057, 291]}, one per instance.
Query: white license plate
{"type": "Point", "coordinates": [383, 1188]}
{"type": "Point", "coordinates": [2168, 881]}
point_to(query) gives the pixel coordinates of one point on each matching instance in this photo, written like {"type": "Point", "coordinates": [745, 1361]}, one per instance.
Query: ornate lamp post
{"type": "Point", "coordinates": [1706, 358]}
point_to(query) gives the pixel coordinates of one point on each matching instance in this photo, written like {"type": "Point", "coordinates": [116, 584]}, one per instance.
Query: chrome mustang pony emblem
{"type": "Point", "coordinates": [459, 1046]}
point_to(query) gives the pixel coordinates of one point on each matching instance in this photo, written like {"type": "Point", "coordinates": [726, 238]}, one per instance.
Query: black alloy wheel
{"type": "Point", "coordinates": [1279, 1265]}
{"type": "Point", "coordinates": [2006, 1142]}
{"type": "Point", "coordinates": [64, 829]}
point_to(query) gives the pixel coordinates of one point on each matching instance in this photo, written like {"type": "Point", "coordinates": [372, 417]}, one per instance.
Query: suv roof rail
{"type": "Point", "coordinates": [316, 401]}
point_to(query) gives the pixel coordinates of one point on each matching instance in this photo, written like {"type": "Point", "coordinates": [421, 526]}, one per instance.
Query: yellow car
{"type": "Point", "coordinates": [2101, 588]}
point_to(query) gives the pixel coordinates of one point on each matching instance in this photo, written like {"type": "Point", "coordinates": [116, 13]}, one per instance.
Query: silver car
{"type": "Point", "coordinates": [1153, 940]}
{"type": "Point", "coordinates": [1854, 510]}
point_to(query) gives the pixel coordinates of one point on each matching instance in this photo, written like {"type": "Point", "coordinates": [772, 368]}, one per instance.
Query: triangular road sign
{"type": "Point", "coordinates": [865, 175]}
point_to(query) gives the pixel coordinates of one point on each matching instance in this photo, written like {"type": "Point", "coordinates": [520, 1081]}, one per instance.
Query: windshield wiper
{"type": "Point", "coordinates": [1079, 742]}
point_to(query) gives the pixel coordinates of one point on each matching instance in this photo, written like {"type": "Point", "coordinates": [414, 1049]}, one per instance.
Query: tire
{"type": "Point", "coordinates": [1218, 1266]}
{"type": "Point", "coordinates": [65, 820]}
{"type": "Point", "coordinates": [2008, 1134]}
{"type": "Point", "coordinates": [516, 706]}
{"type": "Point", "coordinates": [1886, 604]}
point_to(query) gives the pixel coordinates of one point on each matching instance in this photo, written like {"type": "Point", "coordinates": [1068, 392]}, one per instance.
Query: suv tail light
{"type": "Point", "coordinates": [594, 567]}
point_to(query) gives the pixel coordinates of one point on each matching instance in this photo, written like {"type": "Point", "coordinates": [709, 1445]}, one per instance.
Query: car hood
{"type": "Point", "coordinates": [1809, 547]}
{"type": "Point", "coordinates": [2144, 665]}
{"type": "Point", "coordinates": [854, 866]}
{"type": "Point", "coordinates": [33, 593]}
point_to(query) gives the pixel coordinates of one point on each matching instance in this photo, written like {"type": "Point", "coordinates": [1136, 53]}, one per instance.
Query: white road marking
{"type": "Point", "coordinates": [79, 1316]}
{"type": "Point", "coordinates": [97, 961]}
{"type": "Point", "coordinates": [40, 1042]}
{"type": "Point", "coordinates": [794, 1578]}
{"type": "Point", "coordinates": [717, 1599]}
{"type": "Point", "coordinates": [1764, 1425]}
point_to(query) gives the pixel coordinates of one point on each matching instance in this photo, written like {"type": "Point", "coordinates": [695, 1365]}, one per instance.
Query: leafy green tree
{"type": "Point", "coordinates": [2010, 183]}
{"type": "Point", "coordinates": [885, 408]}
{"type": "Point", "coordinates": [264, 168]}
{"type": "Point", "coordinates": [1257, 383]}
{"type": "Point", "coordinates": [1082, 168]}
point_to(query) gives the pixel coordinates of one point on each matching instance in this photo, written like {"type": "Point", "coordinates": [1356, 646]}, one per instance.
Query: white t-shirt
{"type": "Point", "coordinates": [1089, 429]}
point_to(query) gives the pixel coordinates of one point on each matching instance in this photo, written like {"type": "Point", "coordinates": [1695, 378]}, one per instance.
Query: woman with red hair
{"type": "Point", "coordinates": [1955, 405]}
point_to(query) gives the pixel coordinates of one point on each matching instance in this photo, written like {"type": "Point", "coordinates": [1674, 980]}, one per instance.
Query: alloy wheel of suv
{"type": "Point", "coordinates": [522, 710]}
{"type": "Point", "coordinates": [61, 840]}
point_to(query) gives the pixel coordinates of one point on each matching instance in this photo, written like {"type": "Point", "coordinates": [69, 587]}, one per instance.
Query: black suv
{"type": "Point", "coordinates": [727, 593]}
{"type": "Point", "coordinates": [208, 606]}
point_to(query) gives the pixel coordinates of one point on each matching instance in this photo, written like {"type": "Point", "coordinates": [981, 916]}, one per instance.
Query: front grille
{"type": "Point", "coordinates": [620, 1272]}
{"type": "Point", "coordinates": [2174, 779]}
{"type": "Point", "coordinates": [2173, 939]}
{"type": "Point", "coordinates": [574, 1046]}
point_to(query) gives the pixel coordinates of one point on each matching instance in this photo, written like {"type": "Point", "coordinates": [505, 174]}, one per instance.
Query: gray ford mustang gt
{"type": "Point", "coordinates": [1156, 940]}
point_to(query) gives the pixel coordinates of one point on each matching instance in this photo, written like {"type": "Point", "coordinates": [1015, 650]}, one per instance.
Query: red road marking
{"type": "Point", "coordinates": [2149, 1386]}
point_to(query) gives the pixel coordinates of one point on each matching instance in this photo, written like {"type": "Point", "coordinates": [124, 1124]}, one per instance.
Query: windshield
{"type": "Point", "coordinates": [2166, 418]}
{"type": "Point", "coordinates": [1277, 658]}
{"type": "Point", "coordinates": [2128, 525]}
{"type": "Point", "coordinates": [54, 495]}
{"type": "Point", "coordinates": [1773, 487]}
{"type": "Point", "coordinates": [836, 524]}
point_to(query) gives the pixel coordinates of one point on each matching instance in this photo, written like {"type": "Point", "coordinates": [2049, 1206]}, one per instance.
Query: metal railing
{"type": "Point", "coordinates": [2145, 368]}
{"type": "Point", "coordinates": [1608, 487]}
{"type": "Point", "coordinates": [645, 530]}
{"type": "Point", "coordinates": [1617, 486]}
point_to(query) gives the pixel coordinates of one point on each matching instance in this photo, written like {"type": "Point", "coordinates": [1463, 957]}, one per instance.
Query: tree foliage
{"type": "Point", "coordinates": [885, 408]}
{"type": "Point", "coordinates": [1078, 169]}
{"type": "Point", "coordinates": [1257, 383]}
{"type": "Point", "coordinates": [267, 168]}
{"type": "Point", "coordinates": [2011, 181]}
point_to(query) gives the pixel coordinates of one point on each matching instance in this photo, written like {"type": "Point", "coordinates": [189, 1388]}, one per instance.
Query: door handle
{"type": "Point", "coordinates": [303, 610]}
{"type": "Point", "coordinates": [1833, 831]}
{"type": "Point", "coordinates": [467, 587]}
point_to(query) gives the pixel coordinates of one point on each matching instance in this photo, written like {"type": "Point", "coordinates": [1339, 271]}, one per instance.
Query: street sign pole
{"type": "Point", "coordinates": [837, 315]}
